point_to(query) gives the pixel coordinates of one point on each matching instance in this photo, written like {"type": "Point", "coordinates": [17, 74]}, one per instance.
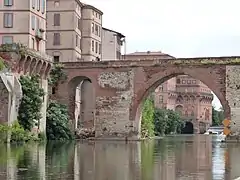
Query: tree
{"type": "Point", "coordinates": [147, 127]}
{"type": "Point", "coordinates": [58, 127]}
{"type": "Point", "coordinates": [167, 121]}
{"type": "Point", "coordinates": [160, 121]}
{"type": "Point", "coordinates": [29, 112]}
{"type": "Point", "coordinates": [215, 117]}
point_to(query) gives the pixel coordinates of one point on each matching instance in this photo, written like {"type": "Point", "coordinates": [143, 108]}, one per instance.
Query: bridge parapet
{"type": "Point", "coordinates": [198, 61]}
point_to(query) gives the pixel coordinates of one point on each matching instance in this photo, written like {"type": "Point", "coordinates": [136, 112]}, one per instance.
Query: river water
{"type": "Point", "coordinates": [197, 157]}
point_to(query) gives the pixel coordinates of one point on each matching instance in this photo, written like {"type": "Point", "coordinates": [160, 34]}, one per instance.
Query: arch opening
{"type": "Point", "coordinates": [189, 96]}
{"type": "Point", "coordinates": [82, 102]}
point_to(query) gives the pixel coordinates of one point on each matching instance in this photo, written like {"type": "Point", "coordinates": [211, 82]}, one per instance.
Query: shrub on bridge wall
{"type": "Point", "coordinates": [58, 127]}
{"type": "Point", "coordinates": [29, 113]}
{"type": "Point", "coordinates": [57, 75]}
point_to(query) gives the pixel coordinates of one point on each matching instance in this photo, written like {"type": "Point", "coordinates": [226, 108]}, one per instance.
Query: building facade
{"type": "Point", "coordinates": [184, 94]}
{"type": "Point", "coordinates": [73, 31]}
{"type": "Point", "coordinates": [112, 43]}
{"type": "Point", "coordinates": [23, 22]}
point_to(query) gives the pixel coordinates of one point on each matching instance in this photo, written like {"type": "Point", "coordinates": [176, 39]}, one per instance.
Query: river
{"type": "Point", "coordinates": [180, 157]}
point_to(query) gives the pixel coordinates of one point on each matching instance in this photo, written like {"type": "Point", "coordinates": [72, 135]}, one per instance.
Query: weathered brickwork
{"type": "Point", "coordinates": [121, 87]}
{"type": "Point", "coordinates": [233, 97]}
{"type": "Point", "coordinates": [112, 116]}
{"type": "Point", "coordinates": [3, 102]}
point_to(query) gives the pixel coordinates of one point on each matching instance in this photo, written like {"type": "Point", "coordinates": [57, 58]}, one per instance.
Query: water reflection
{"type": "Point", "coordinates": [174, 158]}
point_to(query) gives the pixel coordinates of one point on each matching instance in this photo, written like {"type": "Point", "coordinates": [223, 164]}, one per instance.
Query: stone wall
{"type": "Point", "coordinates": [233, 96]}
{"type": "Point", "coordinates": [112, 111]}
{"type": "Point", "coordinates": [4, 97]}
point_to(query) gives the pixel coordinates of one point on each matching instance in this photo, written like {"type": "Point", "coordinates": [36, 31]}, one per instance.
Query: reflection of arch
{"type": "Point", "coordinates": [82, 101]}
{"type": "Point", "coordinates": [161, 75]}
{"type": "Point", "coordinates": [179, 109]}
{"type": "Point", "coordinates": [207, 114]}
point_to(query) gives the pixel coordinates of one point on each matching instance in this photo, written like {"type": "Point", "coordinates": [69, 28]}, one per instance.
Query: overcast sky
{"type": "Point", "coordinates": [182, 28]}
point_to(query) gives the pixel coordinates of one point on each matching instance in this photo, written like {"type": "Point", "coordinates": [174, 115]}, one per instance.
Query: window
{"type": "Point", "coordinates": [99, 31]}
{"type": "Point", "coordinates": [118, 53]}
{"type": "Point", "coordinates": [189, 81]}
{"type": "Point", "coordinates": [56, 39]}
{"type": "Point", "coordinates": [183, 82]}
{"type": "Point", "coordinates": [37, 23]}
{"type": "Point", "coordinates": [55, 59]}
{"type": "Point", "coordinates": [33, 43]}
{"type": "Point", "coordinates": [194, 81]}
{"type": "Point", "coordinates": [160, 99]}
{"type": "Point", "coordinates": [92, 46]}
{"type": "Point", "coordinates": [178, 81]}
{"type": "Point", "coordinates": [93, 12]}
{"type": "Point", "coordinates": [33, 22]}
{"type": "Point", "coordinates": [56, 3]}
{"type": "Point", "coordinates": [92, 27]}
{"type": "Point", "coordinates": [161, 88]}
{"type": "Point", "coordinates": [43, 6]}
{"type": "Point", "coordinates": [8, 2]}
{"type": "Point", "coordinates": [56, 19]}
{"type": "Point", "coordinates": [38, 5]}
{"type": "Point", "coordinates": [7, 40]}
{"type": "Point", "coordinates": [100, 49]}
{"type": "Point", "coordinates": [33, 4]}
{"type": "Point", "coordinates": [8, 20]}
{"type": "Point", "coordinates": [79, 24]}
{"type": "Point", "coordinates": [96, 47]}
{"type": "Point", "coordinates": [96, 29]}
{"type": "Point", "coordinates": [77, 41]}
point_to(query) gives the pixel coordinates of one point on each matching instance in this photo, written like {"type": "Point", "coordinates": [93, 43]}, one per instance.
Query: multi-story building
{"type": "Point", "coordinates": [73, 31]}
{"type": "Point", "coordinates": [189, 96]}
{"type": "Point", "coordinates": [23, 22]}
{"type": "Point", "coordinates": [112, 43]}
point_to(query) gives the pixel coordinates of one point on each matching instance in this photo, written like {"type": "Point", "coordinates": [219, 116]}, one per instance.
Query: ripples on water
{"type": "Point", "coordinates": [197, 157]}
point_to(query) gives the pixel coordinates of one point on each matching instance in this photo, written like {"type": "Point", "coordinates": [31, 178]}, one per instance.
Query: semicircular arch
{"type": "Point", "coordinates": [206, 77]}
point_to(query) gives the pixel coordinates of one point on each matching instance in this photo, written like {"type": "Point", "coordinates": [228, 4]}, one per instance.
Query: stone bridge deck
{"type": "Point", "coordinates": [121, 86]}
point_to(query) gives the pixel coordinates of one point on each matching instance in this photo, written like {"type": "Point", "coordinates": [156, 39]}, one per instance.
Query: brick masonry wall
{"type": "Point", "coordinates": [233, 96]}
{"type": "Point", "coordinates": [112, 112]}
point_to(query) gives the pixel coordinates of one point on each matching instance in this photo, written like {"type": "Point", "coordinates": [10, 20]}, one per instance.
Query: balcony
{"type": "Point", "coordinates": [39, 34]}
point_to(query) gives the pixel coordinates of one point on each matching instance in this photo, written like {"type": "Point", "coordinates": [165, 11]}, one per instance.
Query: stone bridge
{"type": "Point", "coordinates": [119, 88]}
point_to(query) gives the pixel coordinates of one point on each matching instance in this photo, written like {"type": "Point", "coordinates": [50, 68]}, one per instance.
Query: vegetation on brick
{"type": "Point", "coordinates": [2, 65]}
{"type": "Point", "coordinates": [230, 61]}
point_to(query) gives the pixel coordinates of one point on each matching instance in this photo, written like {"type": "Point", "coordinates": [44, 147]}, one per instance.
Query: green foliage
{"type": "Point", "coordinates": [147, 126]}
{"type": "Point", "coordinates": [57, 75]}
{"type": "Point", "coordinates": [16, 133]}
{"type": "Point", "coordinates": [217, 117]}
{"type": "Point", "coordinates": [15, 47]}
{"type": "Point", "coordinates": [230, 61]}
{"type": "Point", "coordinates": [2, 65]}
{"type": "Point", "coordinates": [167, 121]}
{"type": "Point", "coordinates": [31, 103]}
{"type": "Point", "coordinates": [58, 127]}
{"type": "Point", "coordinates": [160, 121]}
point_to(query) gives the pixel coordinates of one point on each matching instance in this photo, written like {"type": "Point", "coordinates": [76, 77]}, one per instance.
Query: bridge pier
{"type": "Point", "coordinates": [233, 98]}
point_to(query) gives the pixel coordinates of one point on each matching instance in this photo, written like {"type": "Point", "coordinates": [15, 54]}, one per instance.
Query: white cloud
{"type": "Point", "coordinates": [182, 28]}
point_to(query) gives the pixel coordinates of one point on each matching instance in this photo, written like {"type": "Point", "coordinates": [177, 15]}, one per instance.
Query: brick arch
{"type": "Point", "coordinates": [72, 84]}
{"type": "Point", "coordinates": [27, 64]}
{"type": "Point", "coordinates": [47, 70]}
{"type": "Point", "coordinates": [20, 65]}
{"type": "Point", "coordinates": [32, 66]}
{"type": "Point", "coordinates": [38, 67]}
{"type": "Point", "coordinates": [204, 74]}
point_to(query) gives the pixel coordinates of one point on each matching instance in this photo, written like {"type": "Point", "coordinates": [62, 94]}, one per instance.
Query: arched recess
{"type": "Point", "coordinates": [156, 79]}
{"type": "Point", "coordinates": [179, 109]}
{"type": "Point", "coordinates": [188, 128]}
{"type": "Point", "coordinates": [81, 102]}
{"type": "Point", "coordinates": [27, 64]}
{"type": "Point", "coordinates": [21, 64]}
{"type": "Point", "coordinates": [43, 68]}
{"type": "Point", "coordinates": [33, 65]}
{"type": "Point", "coordinates": [47, 70]}
{"type": "Point", "coordinates": [38, 67]}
